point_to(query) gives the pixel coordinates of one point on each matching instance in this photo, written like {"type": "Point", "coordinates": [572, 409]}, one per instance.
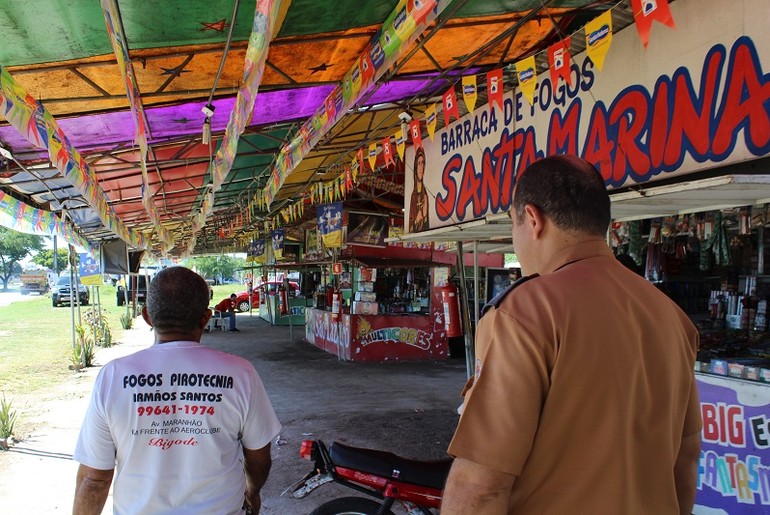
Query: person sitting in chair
{"type": "Point", "coordinates": [226, 309]}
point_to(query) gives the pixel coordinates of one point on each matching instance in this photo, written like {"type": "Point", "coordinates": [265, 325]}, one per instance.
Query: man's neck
{"type": "Point", "coordinates": [161, 338]}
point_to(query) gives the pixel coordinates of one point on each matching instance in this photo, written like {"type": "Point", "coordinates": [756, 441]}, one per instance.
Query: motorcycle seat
{"type": "Point", "coordinates": [432, 473]}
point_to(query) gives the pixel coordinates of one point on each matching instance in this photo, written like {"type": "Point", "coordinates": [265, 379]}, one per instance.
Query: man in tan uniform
{"type": "Point", "coordinates": [584, 399]}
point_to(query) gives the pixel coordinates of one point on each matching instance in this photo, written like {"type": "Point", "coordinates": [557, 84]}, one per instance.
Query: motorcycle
{"type": "Point", "coordinates": [381, 475]}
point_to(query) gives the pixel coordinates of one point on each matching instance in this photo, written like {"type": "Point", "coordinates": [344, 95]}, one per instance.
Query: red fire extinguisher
{"type": "Point", "coordinates": [283, 301]}
{"type": "Point", "coordinates": [336, 305]}
{"type": "Point", "coordinates": [450, 301]}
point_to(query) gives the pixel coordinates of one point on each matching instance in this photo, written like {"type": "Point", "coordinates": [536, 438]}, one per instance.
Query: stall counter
{"type": "Point", "coordinates": [377, 337]}
{"type": "Point", "coordinates": [269, 311]}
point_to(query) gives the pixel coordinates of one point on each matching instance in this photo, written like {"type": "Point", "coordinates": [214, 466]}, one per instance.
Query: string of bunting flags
{"type": "Point", "coordinates": [598, 38]}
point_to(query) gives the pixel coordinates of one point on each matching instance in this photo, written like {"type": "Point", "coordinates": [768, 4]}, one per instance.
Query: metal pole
{"type": "Point", "coordinates": [476, 281]}
{"type": "Point", "coordinates": [72, 306]}
{"type": "Point", "coordinates": [761, 251]}
{"type": "Point", "coordinates": [55, 256]}
{"type": "Point", "coordinates": [127, 278]}
{"type": "Point", "coordinates": [470, 357]}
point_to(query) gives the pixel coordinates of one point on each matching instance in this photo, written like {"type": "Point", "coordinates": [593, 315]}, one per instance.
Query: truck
{"type": "Point", "coordinates": [138, 282]}
{"type": "Point", "coordinates": [34, 281]}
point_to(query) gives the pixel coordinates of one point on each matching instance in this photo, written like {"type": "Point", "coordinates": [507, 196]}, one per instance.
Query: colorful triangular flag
{"type": "Point", "coordinates": [559, 62]}
{"type": "Point", "coordinates": [450, 105]}
{"type": "Point", "coordinates": [430, 120]}
{"type": "Point", "coordinates": [372, 155]}
{"type": "Point", "coordinates": [360, 155]}
{"type": "Point", "coordinates": [470, 92]}
{"type": "Point", "coordinates": [387, 152]}
{"type": "Point", "coordinates": [646, 12]}
{"type": "Point", "coordinates": [599, 38]}
{"type": "Point", "coordinates": [526, 73]}
{"type": "Point", "coordinates": [495, 88]}
{"type": "Point", "coordinates": [416, 133]}
{"type": "Point", "coordinates": [400, 138]}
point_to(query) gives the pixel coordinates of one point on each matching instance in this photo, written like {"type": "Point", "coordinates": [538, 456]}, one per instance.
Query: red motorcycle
{"type": "Point", "coordinates": [381, 475]}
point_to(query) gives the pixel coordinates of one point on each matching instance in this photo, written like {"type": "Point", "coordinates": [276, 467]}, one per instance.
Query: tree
{"type": "Point", "coordinates": [44, 258]}
{"type": "Point", "coordinates": [15, 246]}
{"type": "Point", "coordinates": [215, 267]}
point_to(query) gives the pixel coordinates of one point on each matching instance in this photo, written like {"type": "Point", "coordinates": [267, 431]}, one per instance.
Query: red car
{"type": "Point", "coordinates": [242, 298]}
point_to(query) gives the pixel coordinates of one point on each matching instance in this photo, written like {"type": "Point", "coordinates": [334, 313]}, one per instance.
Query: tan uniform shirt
{"type": "Point", "coordinates": [584, 389]}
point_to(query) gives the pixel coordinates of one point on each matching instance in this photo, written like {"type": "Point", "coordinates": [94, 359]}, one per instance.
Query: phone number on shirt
{"type": "Point", "coordinates": [174, 409]}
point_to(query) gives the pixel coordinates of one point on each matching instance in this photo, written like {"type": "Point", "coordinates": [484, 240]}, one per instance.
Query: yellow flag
{"type": "Point", "coordinates": [430, 121]}
{"type": "Point", "coordinates": [400, 137]}
{"type": "Point", "coordinates": [354, 170]}
{"type": "Point", "coordinates": [372, 155]}
{"type": "Point", "coordinates": [599, 38]}
{"type": "Point", "coordinates": [526, 73]}
{"type": "Point", "coordinates": [469, 92]}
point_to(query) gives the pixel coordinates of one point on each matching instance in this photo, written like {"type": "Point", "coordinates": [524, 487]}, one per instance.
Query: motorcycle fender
{"type": "Point", "coordinates": [310, 483]}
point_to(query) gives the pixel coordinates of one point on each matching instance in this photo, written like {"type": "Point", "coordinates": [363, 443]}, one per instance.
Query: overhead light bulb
{"type": "Point", "coordinates": [206, 139]}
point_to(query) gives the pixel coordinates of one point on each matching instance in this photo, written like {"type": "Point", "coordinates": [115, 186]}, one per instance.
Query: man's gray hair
{"type": "Point", "coordinates": [177, 300]}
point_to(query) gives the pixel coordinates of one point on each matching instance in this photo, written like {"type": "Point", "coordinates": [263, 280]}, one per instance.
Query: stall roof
{"type": "Point", "coordinates": [59, 52]}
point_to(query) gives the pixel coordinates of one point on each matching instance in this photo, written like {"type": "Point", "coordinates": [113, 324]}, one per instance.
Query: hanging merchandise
{"type": "Point", "coordinates": [654, 236]}
{"type": "Point", "coordinates": [744, 221]}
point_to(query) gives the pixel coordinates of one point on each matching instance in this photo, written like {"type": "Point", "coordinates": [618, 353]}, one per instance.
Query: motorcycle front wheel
{"type": "Point", "coordinates": [350, 506]}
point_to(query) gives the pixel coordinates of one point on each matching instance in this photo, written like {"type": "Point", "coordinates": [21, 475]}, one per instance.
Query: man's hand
{"type": "Point", "coordinates": [91, 489]}
{"type": "Point", "coordinates": [472, 488]}
{"type": "Point", "coordinates": [256, 463]}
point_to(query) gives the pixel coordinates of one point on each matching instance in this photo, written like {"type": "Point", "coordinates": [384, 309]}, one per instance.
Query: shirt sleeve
{"type": "Point", "coordinates": [261, 424]}
{"type": "Point", "coordinates": [502, 409]}
{"type": "Point", "coordinates": [95, 447]}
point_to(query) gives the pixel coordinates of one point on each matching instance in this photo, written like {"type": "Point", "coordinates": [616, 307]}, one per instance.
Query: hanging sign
{"type": "Point", "coordinates": [598, 38]}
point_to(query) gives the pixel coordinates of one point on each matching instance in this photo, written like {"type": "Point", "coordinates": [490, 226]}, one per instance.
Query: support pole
{"type": "Point", "coordinates": [470, 354]}
{"type": "Point", "coordinates": [476, 281]}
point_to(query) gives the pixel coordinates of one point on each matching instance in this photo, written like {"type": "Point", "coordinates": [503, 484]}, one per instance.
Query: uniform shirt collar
{"type": "Point", "coordinates": [575, 252]}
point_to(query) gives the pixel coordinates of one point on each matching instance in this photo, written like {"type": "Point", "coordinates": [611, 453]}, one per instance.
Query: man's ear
{"type": "Point", "coordinates": [146, 315]}
{"type": "Point", "coordinates": [535, 219]}
{"type": "Point", "coordinates": [206, 317]}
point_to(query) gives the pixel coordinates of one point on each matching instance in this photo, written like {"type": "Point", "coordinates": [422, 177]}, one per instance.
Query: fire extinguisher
{"type": "Point", "coordinates": [283, 301]}
{"type": "Point", "coordinates": [336, 305]}
{"type": "Point", "coordinates": [450, 301]}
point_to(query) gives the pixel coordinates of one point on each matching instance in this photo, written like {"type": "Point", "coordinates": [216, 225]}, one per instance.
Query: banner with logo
{"type": "Point", "coordinates": [277, 237]}
{"type": "Point", "coordinates": [652, 115]}
{"type": "Point", "coordinates": [330, 224]}
{"type": "Point", "coordinates": [368, 230]}
{"type": "Point", "coordinates": [89, 270]}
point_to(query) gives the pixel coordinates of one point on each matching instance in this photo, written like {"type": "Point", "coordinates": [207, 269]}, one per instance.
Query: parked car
{"type": "Point", "coordinates": [62, 293]}
{"type": "Point", "coordinates": [138, 281]}
{"type": "Point", "coordinates": [242, 298]}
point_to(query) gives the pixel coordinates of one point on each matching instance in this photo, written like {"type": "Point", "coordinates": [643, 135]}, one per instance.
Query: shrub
{"type": "Point", "coordinates": [83, 352]}
{"type": "Point", "coordinates": [7, 418]}
{"type": "Point", "coordinates": [126, 321]}
{"type": "Point", "coordinates": [95, 321]}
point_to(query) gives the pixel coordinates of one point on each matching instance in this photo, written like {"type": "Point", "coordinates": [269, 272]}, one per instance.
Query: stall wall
{"type": "Point", "coordinates": [332, 337]}
{"type": "Point", "coordinates": [697, 97]}
{"type": "Point", "coordinates": [734, 466]}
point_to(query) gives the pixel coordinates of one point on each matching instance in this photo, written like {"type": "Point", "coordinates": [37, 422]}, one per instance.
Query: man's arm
{"type": "Point", "coordinates": [686, 472]}
{"type": "Point", "coordinates": [256, 463]}
{"type": "Point", "coordinates": [472, 488]}
{"type": "Point", "coordinates": [91, 489]}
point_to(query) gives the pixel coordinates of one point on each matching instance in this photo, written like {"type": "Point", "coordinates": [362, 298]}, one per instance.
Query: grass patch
{"type": "Point", "coordinates": [36, 341]}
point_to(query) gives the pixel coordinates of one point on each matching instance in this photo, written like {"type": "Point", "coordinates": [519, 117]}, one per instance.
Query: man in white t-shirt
{"type": "Point", "coordinates": [187, 427]}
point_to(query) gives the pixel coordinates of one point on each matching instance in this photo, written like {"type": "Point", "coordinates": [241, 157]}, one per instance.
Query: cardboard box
{"type": "Point", "coordinates": [764, 375]}
{"type": "Point", "coordinates": [751, 373]}
{"type": "Point", "coordinates": [365, 296]}
{"type": "Point", "coordinates": [735, 370]}
{"type": "Point", "coordinates": [365, 308]}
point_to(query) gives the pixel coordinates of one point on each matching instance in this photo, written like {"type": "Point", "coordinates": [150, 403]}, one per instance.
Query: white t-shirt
{"type": "Point", "coordinates": [175, 417]}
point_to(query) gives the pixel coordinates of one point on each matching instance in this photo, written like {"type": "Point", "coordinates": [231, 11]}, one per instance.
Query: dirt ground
{"type": "Point", "coordinates": [406, 408]}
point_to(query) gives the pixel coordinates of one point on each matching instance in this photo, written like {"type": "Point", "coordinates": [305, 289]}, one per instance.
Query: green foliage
{"type": "Point", "coordinates": [44, 258]}
{"type": "Point", "coordinates": [15, 246]}
{"type": "Point", "coordinates": [216, 267]}
{"type": "Point", "coordinates": [7, 418]}
{"type": "Point", "coordinates": [126, 321]}
{"type": "Point", "coordinates": [96, 323]}
{"type": "Point", "coordinates": [83, 352]}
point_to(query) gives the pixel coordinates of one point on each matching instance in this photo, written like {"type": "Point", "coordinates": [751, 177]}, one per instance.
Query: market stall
{"type": "Point", "coordinates": [388, 304]}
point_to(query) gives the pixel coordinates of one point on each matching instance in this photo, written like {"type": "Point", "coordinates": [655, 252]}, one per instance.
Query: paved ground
{"type": "Point", "coordinates": [407, 408]}
{"type": "Point", "coordinates": [7, 297]}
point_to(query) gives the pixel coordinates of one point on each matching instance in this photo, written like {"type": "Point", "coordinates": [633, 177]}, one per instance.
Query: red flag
{"type": "Point", "coordinates": [559, 62]}
{"type": "Point", "coordinates": [366, 65]}
{"type": "Point", "coordinates": [495, 88]}
{"type": "Point", "coordinates": [646, 12]}
{"type": "Point", "coordinates": [387, 152]}
{"type": "Point", "coordinates": [331, 109]}
{"type": "Point", "coordinates": [361, 160]}
{"type": "Point", "coordinates": [450, 106]}
{"type": "Point", "coordinates": [416, 133]}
